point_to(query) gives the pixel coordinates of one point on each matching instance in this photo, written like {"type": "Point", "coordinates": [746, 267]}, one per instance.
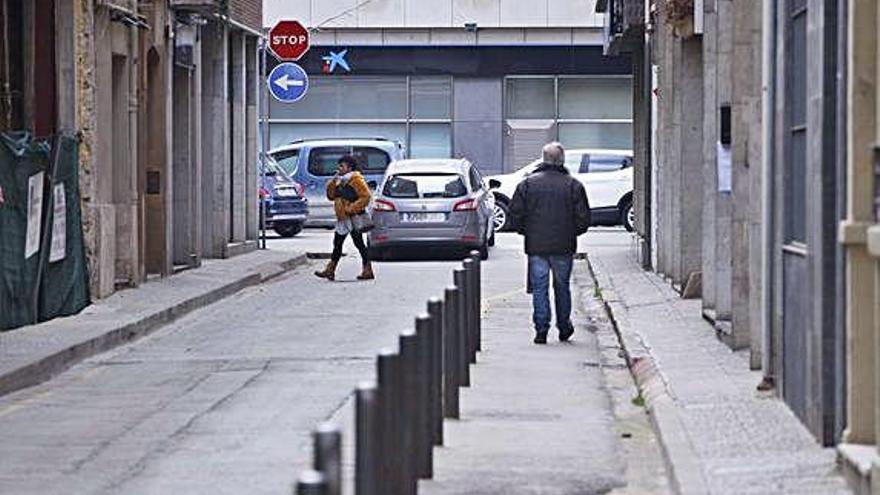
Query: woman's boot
{"type": "Point", "coordinates": [367, 272]}
{"type": "Point", "coordinates": [329, 271]}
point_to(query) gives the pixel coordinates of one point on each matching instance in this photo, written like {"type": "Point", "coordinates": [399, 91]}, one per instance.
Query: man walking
{"type": "Point", "coordinates": [551, 210]}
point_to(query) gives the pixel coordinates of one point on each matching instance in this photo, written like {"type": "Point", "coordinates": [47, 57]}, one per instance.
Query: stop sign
{"type": "Point", "coordinates": [289, 40]}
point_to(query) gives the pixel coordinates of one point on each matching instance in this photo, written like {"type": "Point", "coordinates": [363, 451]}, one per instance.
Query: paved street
{"type": "Point", "coordinates": [223, 400]}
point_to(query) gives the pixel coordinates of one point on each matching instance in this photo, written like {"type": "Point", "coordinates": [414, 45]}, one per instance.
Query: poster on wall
{"type": "Point", "coordinates": [34, 214]}
{"type": "Point", "coordinates": [59, 224]}
{"type": "Point", "coordinates": [725, 168]}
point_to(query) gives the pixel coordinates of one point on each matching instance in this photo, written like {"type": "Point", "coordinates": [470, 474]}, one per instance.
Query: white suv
{"type": "Point", "coordinates": [607, 176]}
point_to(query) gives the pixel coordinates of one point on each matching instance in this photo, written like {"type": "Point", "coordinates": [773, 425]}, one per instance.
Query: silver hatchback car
{"type": "Point", "coordinates": [433, 203]}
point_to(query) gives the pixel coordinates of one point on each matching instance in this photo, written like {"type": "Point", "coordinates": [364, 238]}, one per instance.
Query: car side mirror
{"type": "Point", "coordinates": [372, 184]}
{"type": "Point", "coordinates": [494, 183]}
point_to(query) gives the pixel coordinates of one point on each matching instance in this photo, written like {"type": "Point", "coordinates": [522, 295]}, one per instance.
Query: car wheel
{"type": "Point", "coordinates": [501, 218]}
{"type": "Point", "coordinates": [288, 229]}
{"type": "Point", "coordinates": [627, 216]}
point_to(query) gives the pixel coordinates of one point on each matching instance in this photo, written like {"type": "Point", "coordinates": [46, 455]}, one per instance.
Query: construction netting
{"type": "Point", "coordinates": [43, 272]}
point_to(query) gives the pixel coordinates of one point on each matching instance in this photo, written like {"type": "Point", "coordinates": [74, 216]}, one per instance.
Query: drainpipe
{"type": "Point", "coordinates": [133, 190]}
{"type": "Point", "coordinates": [768, 202]}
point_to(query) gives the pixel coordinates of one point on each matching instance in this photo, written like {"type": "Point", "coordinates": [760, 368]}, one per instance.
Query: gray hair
{"type": "Point", "coordinates": [554, 154]}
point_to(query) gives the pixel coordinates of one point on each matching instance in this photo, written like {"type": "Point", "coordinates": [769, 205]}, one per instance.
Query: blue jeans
{"type": "Point", "coordinates": [540, 268]}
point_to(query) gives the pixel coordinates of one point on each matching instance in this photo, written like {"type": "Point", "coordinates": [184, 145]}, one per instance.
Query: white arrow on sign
{"type": "Point", "coordinates": [284, 82]}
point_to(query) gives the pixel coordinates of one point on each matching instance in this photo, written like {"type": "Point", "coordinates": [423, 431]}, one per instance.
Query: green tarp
{"type": "Point", "coordinates": [43, 272]}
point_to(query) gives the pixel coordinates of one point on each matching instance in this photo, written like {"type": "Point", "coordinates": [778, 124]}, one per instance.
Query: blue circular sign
{"type": "Point", "coordinates": [288, 82]}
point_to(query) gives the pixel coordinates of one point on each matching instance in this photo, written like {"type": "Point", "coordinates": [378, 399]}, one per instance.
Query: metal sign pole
{"type": "Point", "coordinates": [264, 145]}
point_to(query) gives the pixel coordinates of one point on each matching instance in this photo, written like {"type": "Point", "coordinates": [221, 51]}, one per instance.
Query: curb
{"type": "Point", "coordinates": [58, 362]}
{"type": "Point", "coordinates": [681, 459]}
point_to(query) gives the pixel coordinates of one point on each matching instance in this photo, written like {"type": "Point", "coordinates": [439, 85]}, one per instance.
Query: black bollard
{"type": "Point", "coordinates": [459, 276]}
{"type": "Point", "coordinates": [424, 328]}
{"type": "Point", "coordinates": [450, 353]}
{"type": "Point", "coordinates": [478, 297]}
{"type": "Point", "coordinates": [388, 371]}
{"type": "Point", "coordinates": [368, 453]}
{"type": "Point", "coordinates": [311, 483]}
{"type": "Point", "coordinates": [328, 453]}
{"type": "Point", "coordinates": [435, 309]}
{"type": "Point", "coordinates": [471, 281]}
{"type": "Point", "coordinates": [410, 442]}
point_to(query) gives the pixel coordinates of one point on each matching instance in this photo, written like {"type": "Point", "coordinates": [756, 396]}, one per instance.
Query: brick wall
{"type": "Point", "coordinates": [247, 12]}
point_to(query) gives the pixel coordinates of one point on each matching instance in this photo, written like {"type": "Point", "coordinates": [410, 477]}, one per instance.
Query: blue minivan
{"type": "Point", "coordinates": [312, 163]}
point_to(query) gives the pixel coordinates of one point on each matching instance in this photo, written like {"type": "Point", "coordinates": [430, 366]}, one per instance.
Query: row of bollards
{"type": "Point", "coordinates": [399, 418]}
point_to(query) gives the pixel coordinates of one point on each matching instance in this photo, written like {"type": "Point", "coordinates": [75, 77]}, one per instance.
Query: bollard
{"type": "Point", "coordinates": [311, 483]}
{"type": "Point", "coordinates": [328, 452]}
{"type": "Point", "coordinates": [478, 297]}
{"type": "Point", "coordinates": [410, 445]}
{"type": "Point", "coordinates": [368, 451]}
{"type": "Point", "coordinates": [450, 354]}
{"type": "Point", "coordinates": [388, 371]}
{"type": "Point", "coordinates": [424, 329]}
{"type": "Point", "coordinates": [461, 327]}
{"type": "Point", "coordinates": [470, 280]}
{"type": "Point", "coordinates": [435, 309]}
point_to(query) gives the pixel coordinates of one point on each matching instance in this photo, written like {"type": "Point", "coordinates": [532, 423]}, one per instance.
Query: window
{"type": "Point", "coordinates": [323, 161]}
{"type": "Point", "coordinates": [476, 180]}
{"type": "Point", "coordinates": [615, 136]}
{"type": "Point", "coordinates": [372, 160]}
{"type": "Point", "coordinates": [531, 98]}
{"type": "Point", "coordinates": [431, 97]}
{"type": "Point", "coordinates": [430, 141]}
{"type": "Point", "coordinates": [288, 159]}
{"type": "Point", "coordinates": [606, 163]}
{"type": "Point", "coordinates": [577, 163]}
{"type": "Point", "coordinates": [595, 98]}
{"type": "Point", "coordinates": [425, 186]}
{"type": "Point", "coordinates": [347, 98]}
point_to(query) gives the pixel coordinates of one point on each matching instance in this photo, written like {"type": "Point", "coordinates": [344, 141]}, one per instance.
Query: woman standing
{"type": "Point", "coordinates": [350, 195]}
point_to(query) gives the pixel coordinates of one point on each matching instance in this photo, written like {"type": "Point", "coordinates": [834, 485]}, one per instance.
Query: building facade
{"type": "Point", "coordinates": [167, 104]}
{"type": "Point", "coordinates": [491, 81]}
{"type": "Point", "coordinates": [779, 243]}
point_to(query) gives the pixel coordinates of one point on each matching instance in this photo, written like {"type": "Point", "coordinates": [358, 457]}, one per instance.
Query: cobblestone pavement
{"type": "Point", "coordinates": [719, 434]}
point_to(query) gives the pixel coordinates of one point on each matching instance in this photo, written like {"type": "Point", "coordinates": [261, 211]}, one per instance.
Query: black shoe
{"type": "Point", "coordinates": [566, 334]}
{"type": "Point", "coordinates": [541, 338]}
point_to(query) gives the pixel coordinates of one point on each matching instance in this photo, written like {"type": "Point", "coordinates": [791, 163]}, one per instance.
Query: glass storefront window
{"type": "Point", "coordinates": [349, 98]}
{"type": "Point", "coordinates": [530, 98]}
{"type": "Point", "coordinates": [431, 97]}
{"type": "Point", "coordinates": [595, 98]}
{"type": "Point", "coordinates": [284, 133]}
{"type": "Point", "coordinates": [430, 141]}
{"type": "Point", "coordinates": [610, 136]}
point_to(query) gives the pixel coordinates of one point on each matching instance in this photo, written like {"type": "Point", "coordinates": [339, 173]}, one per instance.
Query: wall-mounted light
{"type": "Point", "coordinates": [471, 27]}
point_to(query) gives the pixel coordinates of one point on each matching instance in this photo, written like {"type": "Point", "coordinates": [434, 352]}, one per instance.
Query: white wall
{"type": "Point", "coordinates": [435, 13]}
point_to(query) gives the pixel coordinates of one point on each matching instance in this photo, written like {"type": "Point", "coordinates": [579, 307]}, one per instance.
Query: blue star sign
{"type": "Point", "coordinates": [288, 82]}
{"type": "Point", "coordinates": [334, 59]}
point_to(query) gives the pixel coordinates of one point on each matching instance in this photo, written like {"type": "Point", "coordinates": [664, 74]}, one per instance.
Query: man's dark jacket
{"type": "Point", "coordinates": [551, 210]}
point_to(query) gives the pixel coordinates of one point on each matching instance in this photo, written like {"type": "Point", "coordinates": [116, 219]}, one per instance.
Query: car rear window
{"type": "Point", "coordinates": [288, 159]}
{"type": "Point", "coordinates": [323, 160]}
{"type": "Point", "coordinates": [425, 186]}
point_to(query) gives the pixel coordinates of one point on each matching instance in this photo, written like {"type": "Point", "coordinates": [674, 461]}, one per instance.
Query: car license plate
{"type": "Point", "coordinates": [423, 217]}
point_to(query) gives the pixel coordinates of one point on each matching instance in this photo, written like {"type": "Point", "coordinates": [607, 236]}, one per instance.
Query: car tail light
{"type": "Point", "coordinates": [264, 193]}
{"type": "Point", "coordinates": [300, 189]}
{"type": "Point", "coordinates": [382, 205]}
{"type": "Point", "coordinates": [466, 205]}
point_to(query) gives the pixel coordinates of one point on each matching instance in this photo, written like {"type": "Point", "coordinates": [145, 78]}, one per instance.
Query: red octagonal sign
{"type": "Point", "coordinates": [289, 40]}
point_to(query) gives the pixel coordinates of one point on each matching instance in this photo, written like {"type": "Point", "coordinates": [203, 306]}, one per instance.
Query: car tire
{"type": "Point", "coordinates": [627, 216]}
{"type": "Point", "coordinates": [501, 220]}
{"type": "Point", "coordinates": [288, 229]}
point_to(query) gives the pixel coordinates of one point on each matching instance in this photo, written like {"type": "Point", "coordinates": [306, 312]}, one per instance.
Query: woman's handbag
{"type": "Point", "coordinates": [362, 223]}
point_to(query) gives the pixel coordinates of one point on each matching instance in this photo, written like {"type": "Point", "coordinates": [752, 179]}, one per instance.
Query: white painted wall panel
{"type": "Point", "coordinates": [428, 13]}
{"type": "Point", "coordinates": [322, 10]}
{"type": "Point", "coordinates": [437, 13]}
{"type": "Point", "coordinates": [486, 13]}
{"type": "Point", "coordinates": [565, 13]}
{"type": "Point", "coordinates": [383, 13]}
{"type": "Point", "coordinates": [524, 13]}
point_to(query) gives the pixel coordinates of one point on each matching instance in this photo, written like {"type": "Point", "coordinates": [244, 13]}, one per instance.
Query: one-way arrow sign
{"type": "Point", "coordinates": [288, 82]}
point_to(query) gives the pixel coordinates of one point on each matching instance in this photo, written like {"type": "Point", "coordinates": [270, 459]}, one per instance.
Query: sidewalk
{"type": "Point", "coordinates": [32, 354]}
{"type": "Point", "coordinates": [537, 419]}
{"type": "Point", "coordinates": [719, 434]}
